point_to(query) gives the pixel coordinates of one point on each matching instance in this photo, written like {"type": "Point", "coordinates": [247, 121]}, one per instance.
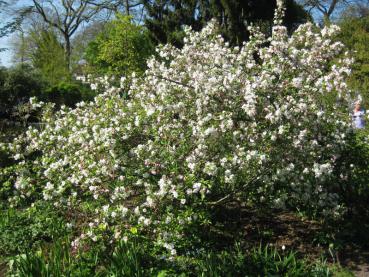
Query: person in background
{"type": "Point", "coordinates": [358, 116]}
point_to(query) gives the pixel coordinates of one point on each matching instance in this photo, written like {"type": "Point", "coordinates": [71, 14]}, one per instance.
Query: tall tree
{"type": "Point", "coordinates": [128, 5]}
{"type": "Point", "coordinates": [66, 16]}
{"type": "Point", "coordinates": [355, 35]}
{"type": "Point", "coordinates": [166, 17]}
{"type": "Point", "coordinates": [20, 46]}
{"type": "Point", "coordinates": [23, 40]}
{"type": "Point", "coordinates": [324, 7]}
{"type": "Point", "coordinates": [81, 41]}
{"type": "Point", "coordinates": [48, 56]}
{"type": "Point", "coordinates": [40, 46]}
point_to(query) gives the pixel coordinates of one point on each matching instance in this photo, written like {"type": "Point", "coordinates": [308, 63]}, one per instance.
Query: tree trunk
{"type": "Point", "coordinates": [22, 48]}
{"type": "Point", "coordinates": [127, 7]}
{"type": "Point", "coordinates": [326, 19]}
{"type": "Point", "coordinates": [67, 49]}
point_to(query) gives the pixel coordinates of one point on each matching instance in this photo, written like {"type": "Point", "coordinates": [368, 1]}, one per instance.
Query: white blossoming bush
{"type": "Point", "coordinates": [206, 123]}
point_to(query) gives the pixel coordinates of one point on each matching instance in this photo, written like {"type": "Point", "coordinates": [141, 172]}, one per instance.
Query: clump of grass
{"type": "Point", "coordinates": [56, 261]}
{"type": "Point", "coordinates": [131, 259]}
{"type": "Point", "coordinates": [261, 261]}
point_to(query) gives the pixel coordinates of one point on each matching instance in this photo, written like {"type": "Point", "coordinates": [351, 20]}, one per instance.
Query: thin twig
{"type": "Point", "coordinates": [173, 81]}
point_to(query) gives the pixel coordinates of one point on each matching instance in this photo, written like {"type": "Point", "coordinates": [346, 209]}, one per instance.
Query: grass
{"type": "Point", "coordinates": [129, 259]}
{"type": "Point", "coordinates": [339, 271]}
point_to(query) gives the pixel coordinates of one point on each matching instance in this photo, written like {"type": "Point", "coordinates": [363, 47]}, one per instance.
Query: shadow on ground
{"type": "Point", "coordinates": [345, 242]}
{"type": "Point", "coordinates": [357, 260]}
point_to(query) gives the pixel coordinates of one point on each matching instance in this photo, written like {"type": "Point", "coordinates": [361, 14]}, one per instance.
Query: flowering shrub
{"type": "Point", "coordinates": [207, 123]}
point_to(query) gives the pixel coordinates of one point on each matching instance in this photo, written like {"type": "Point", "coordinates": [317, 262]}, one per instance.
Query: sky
{"type": "Point", "coordinates": [6, 56]}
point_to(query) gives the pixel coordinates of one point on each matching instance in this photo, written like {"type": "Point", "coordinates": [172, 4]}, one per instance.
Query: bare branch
{"type": "Point", "coordinates": [332, 7]}
{"type": "Point", "coordinates": [40, 10]}
{"type": "Point", "coordinates": [328, 8]}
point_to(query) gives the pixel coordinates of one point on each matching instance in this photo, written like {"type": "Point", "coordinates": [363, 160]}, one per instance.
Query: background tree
{"type": "Point", "coordinates": [47, 56]}
{"type": "Point", "coordinates": [41, 47]}
{"type": "Point", "coordinates": [355, 35]}
{"type": "Point", "coordinates": [80, 43]}
{"type": "Point", "coordinates": [122, 48]}
{"type": "Point", "coordinates": [358, 10]}
{"type": "Point", "coordinates": [67, 16]}
{"type": "Point", "coordinates": [235, 16]}
{"type": "Point", "coordinates": [128, 7]}
{"type": "Point", "coordinates": [165, 18]}
{"type": "Point", "coordinates": [39, 50]}
{"type": "Point", "coordinates": [326, 9]}
{"type": "Point", "coordinates": [20, 46]}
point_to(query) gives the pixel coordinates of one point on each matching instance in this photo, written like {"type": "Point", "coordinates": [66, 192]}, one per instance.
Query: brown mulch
{"type": "Point", "coordinates": [275, 228]}
{"type": "Point", "coordinates": [284, 229]}
{"type": "Point", "coordinates": [281, 228]}
{"type": "Point", "coordinates": [3, 269]}
{"type": "Point", "coordinates": [252, 228]}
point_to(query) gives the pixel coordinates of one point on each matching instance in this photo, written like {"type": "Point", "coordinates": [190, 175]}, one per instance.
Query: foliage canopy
{"type": "Point", "coordinates": [355, 35]}
{"type": "Point", "coordinates": [122, 48]}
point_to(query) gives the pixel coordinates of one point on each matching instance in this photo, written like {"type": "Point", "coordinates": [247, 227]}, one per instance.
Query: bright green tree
{"type": "Point", "coordinates": [355, 35]}
{"type": "Point", "coordinates": [47, 56]}
{"type": "Point", "coordinates": [122, 48]}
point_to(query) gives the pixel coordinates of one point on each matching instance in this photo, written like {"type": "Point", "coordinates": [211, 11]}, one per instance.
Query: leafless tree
{"type": "Point", "coordinates": [327, 8]}
{"type": "Point", "coordinates": [117, 5]}
{"type": "Point", "coordinates": [358, 10]}
{"type": "Point", "coordinates": [66, 16]}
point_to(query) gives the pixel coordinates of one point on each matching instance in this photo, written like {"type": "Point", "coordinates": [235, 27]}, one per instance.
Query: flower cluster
{"type": "Point", "coordinates": [205, 122]}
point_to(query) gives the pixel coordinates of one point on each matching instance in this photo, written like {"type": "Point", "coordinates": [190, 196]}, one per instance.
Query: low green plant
{"type": "Point", "coordinates": [261, 261]}
{"type": "Point", "coordinates": [320, 268]}
{"type": "Point", "coordinates": [133, 258]}
{"type": "Point", "coordinates": [128, 259]}
{"type": "Point", "coordinates": [55, 260]}
{"type": "Point", "coordinates": [25, 230]}
{"type": "Point", "coordinates": [339, 271]}
{"type": "Point", "coordinates": [68, 93]}
{"type": "Point", "coordinates": [267, 261]}
{"type": "Point", "coordinates": [60, 259]}
{"type": "Point", "coordinates": [17, 85]}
